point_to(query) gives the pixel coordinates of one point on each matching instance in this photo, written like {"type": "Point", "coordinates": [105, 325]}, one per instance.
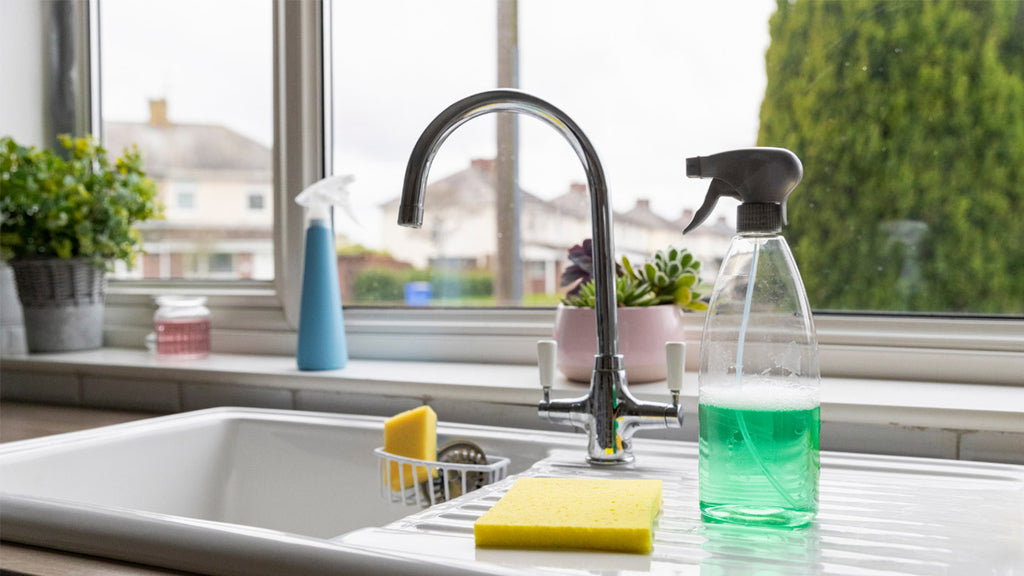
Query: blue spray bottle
{"type": "Point", "coordinates": [321, 328]}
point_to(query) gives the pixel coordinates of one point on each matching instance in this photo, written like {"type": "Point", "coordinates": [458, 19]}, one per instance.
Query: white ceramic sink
{"type": "Point", "coordinates": [226, 490]}
{"type": "Point", "coordinates": [244, 491]}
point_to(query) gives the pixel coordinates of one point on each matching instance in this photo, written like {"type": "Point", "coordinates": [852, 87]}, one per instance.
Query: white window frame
{"type": "Point", "coordinates": [261, 317]}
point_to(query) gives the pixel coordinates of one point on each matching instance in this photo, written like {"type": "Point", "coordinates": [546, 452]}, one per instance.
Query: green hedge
{"type": "Point", "coordinates": [388, 285]}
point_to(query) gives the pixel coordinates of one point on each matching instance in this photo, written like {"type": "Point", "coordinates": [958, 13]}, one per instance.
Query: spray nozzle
{"type": "Point", "coordinates": [321, 195]}
{"type": "Point", "coordinates": [760, 178]}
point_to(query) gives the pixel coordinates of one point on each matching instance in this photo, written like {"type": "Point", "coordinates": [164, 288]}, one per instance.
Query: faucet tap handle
{"type": "Point", "coordinates": [547, 350]}
{"type": "Point", "coordinates": [675, 359]}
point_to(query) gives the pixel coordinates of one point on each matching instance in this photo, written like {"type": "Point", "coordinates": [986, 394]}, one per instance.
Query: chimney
{"type": "Point", "coordinates": [578, 188]}
{"type": "Point", "coordinates": [483, 164]}
{"type": "Point", "coordinates": [687, 217]}
{"type": "Point", "coordinates": [158, 113]}
{"type": "Point", "coordinates": [643, 204]}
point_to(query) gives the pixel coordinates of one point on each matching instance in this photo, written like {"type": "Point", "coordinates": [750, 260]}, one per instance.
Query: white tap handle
{"type": "Point", "coordinates": [675, 359]}
{"type": "Point", "coordinates": [547, 350]}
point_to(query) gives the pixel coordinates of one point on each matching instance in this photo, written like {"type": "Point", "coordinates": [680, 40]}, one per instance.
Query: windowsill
{"type": "Point", "coordinates": [959, 407]}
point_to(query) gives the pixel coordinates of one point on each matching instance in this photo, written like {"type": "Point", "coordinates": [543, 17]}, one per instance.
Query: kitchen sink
{"type": "Point", "coordinates": [234, 490]}
{"type": "Point", "coordinates": [249, 491]}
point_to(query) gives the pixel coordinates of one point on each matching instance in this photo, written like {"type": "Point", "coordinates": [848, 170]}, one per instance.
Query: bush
{"type": "Point", "coordinates": [380, 285]}
{"type": "Point", "coordinates": [472, 284]}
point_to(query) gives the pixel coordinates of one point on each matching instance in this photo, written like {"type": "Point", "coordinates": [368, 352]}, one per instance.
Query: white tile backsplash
{"type": "Point", "coordinates": [888, 439]}
{"type": "Point", "coordinates": [196, 396]}
{"type": "Point", "coordinates": [44, 387]}
{"type": "Point", "coordinates": [990, 446]}
{"type": "Point", "coordinates": [349, 403]}
{"type": "Point", "coordinates": [131, 394]}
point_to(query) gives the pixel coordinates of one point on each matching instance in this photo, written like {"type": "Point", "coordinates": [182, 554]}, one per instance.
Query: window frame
{"type": "Point", "coordinates": [260, 317]}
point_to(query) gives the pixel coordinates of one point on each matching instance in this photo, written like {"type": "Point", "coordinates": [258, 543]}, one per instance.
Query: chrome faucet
{"type": "Point", "coordinates": [609, 413]}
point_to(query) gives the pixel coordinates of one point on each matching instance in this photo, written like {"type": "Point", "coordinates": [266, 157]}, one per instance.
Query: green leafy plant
{"type": "Point", "coordinates": [671, 277]}
{"type": "Point", "coordinates": [80, 207]}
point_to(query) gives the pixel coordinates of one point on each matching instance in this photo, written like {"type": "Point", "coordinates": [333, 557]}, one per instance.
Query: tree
{"type": "Point", "coordinates": [909, 118]}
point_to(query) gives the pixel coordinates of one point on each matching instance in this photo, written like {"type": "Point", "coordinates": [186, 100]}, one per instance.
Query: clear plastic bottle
{"type": "Point", "coordinates": [182, 327]}
{"type": "Point", "coordinates": [759, 377]}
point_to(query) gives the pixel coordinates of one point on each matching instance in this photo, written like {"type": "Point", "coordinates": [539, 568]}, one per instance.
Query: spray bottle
{"type": "Point", "coordinates": [321, 328]}
{"type": "Point", "coordinates": [759, 378]}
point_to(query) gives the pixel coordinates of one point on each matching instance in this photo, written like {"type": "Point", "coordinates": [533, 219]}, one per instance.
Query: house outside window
{"type": "Point", "coordinates": [650, 96]}
{"type": "Point", "coordinates": [205, 137]}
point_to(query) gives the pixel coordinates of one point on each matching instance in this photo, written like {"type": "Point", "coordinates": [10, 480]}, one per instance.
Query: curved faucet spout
{"type": "Point", "coordinates": [410, 212]}
{"type": "Point", "coordinates": [609, 413]}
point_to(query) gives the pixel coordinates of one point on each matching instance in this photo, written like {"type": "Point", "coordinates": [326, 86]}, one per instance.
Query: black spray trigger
{"type": "Point", "coordinates": [717, 189]}
{"type": "Point", "coordinates": [761, 178]}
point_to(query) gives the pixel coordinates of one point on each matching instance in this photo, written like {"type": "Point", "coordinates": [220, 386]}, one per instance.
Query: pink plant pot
{"type": "Point", "coordinates": [643, 332]}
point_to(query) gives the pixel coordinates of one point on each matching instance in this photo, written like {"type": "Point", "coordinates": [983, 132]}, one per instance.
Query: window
{"type": "Point", "coordinates": [221, 263]}
{"type": "Point", "coordinates": [199, 108]}
{"type": "Point", "coordinates": [376, 123]}
{"type": "Point", "coordinates": [256, 201]}
{"type": "Point", "coordinates": [908, 119]}
{"type": "Point", "coordinates": [184, 197]}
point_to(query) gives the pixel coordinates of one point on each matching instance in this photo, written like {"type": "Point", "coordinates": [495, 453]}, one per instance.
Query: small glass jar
{"type": "Point", "coordinates": [182, 327]}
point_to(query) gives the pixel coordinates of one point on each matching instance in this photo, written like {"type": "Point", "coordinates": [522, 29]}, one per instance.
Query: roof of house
{"type": "Point", "coordinates": [170, 148]}
{"type": "Point", "coordinates": [718, 227]}
{"type": "Point", "coordinates": [643, 215]}
{"type": "Point", "coordinates": [473, 185]}
{"type": "Point", "coordinates": [476, 184]}
{"type": "Point", "coordinates": [575, 202]}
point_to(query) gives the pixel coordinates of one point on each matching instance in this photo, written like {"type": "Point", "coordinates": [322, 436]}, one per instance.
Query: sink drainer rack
{"type": "Point", "coordinates": [445, 480]}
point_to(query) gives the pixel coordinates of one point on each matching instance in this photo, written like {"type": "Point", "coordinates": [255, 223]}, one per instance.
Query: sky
{"type": "Point", "coordinates": [650, 82]}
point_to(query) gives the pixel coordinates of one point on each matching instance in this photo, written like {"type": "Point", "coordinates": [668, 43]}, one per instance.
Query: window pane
{"type": "Point", "coordinates": [909, 119]}
{"type": "Point", "coordinates": [199, 107]}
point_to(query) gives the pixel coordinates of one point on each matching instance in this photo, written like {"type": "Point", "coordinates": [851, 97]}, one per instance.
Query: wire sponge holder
{"type": "Point", "coordinates": [424, 483]}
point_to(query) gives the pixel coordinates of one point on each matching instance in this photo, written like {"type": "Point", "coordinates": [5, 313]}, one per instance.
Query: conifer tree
{"type": "Point", "coordinates": [909, 119]}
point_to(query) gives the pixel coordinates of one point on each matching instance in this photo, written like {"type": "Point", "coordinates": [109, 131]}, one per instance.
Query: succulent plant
{"type": "Point", "coordinates": [581, 270]}
{"type": "Point", "coordinates": [670, 277]}
{"type": "Point", "coordinates": [628, 292]}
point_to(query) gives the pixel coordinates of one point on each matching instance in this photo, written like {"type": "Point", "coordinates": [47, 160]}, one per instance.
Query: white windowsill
{"type": "Point", "coordinates": [959, 407]}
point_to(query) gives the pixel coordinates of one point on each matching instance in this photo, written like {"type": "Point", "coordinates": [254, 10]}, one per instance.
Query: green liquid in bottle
{"type": "Point", "coordinates": [759, 466]}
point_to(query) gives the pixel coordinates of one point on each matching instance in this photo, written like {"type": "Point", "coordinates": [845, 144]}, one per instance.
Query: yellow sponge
{"type": "Point", "coordinates": [412, 434]}
{"type": "Point", "coordinates": [595, 514]}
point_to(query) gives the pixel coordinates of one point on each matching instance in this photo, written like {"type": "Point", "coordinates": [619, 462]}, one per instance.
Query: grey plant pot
{"type": "Point", "coordinates": [63, 301]}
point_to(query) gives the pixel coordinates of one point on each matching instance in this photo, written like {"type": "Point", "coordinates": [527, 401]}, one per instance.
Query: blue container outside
{"type": "Point", "coordinates": [322, 343]}
{"type": "Point", "coordinates": [417, 293]}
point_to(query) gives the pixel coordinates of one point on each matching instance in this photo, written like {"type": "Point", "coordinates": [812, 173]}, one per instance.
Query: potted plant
{"type": "Point", "coordinates": [62, 223]}
{"type": "Point", "coordinates": [651, 299]}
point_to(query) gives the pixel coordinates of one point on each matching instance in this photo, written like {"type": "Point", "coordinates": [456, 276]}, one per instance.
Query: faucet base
{"type": "Point", "coordinates": [612, 460]}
